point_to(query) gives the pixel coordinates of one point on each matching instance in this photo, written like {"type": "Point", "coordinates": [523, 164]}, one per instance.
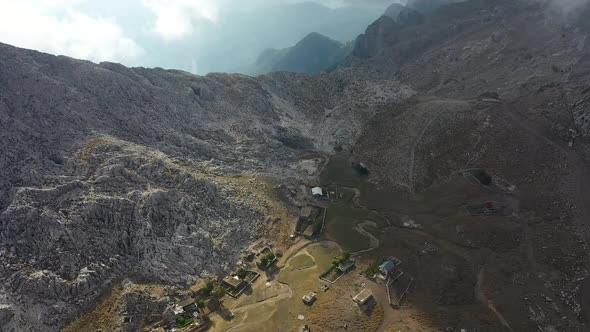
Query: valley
{"type": "Point", "coordinates": [437, 179]}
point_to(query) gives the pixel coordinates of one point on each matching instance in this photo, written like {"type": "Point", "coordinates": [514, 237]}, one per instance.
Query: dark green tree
{"type": "Point", "coordinates": [218, 291]}
{"type": "Point", "coordinates": [208, 287]}
{"type": "Point", "coordinates": [242, 274]}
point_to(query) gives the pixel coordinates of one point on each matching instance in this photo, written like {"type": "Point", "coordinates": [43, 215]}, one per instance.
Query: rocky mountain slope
{"type": "Point", "coordinates": [515, 49]}
{"type": "Point", "coordinates": [112, 172]}
{"type": "Point", "coordinates": [507, 90]}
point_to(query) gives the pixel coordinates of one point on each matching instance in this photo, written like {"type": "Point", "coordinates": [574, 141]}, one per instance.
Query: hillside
{"type": "Point", "coordinates": [313, 54]}
{"type": "Point", "coordinates": [117, 165]}
{"type": "Point", "coordinates": [116, 180]}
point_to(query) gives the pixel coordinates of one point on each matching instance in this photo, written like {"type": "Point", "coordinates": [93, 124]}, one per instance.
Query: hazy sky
{"type": "Point", "coordinates": [167, 33]}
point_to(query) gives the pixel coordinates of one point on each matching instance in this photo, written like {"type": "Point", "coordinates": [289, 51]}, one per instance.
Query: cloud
{"type": "Point", "coordinates": [113, 30]}
{"type": "Point", "coordinates": [178, 19]}
{"type": "Point", "coordinates": [175, 19]}
{"type": "Point", "coordinates": [46, 26]}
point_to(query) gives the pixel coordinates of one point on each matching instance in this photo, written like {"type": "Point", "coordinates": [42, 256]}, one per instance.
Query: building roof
{"type": "Point", "coordinates": [362, 297]}
{"type": "Point", "coordinates": [310, 297]}
{"type": "Point", "coordinates": [186, 303]}
{"type": "Point", "coordinates": [317, 191]}
{"type": "Point", "coordinates": [387, 266]}
{"type": "Point", "coordinates": [234, 282]}
{"type": "Point", "coordinates": [306, 212]}
{"type": "Point", "coordinates": [346, 265]}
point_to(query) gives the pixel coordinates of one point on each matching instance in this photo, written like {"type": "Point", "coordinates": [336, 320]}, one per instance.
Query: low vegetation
{"type": "Point", "coordinates": [341, 259]}
{"type": "Point", "coordinates": [218, 292]}
{"type": "Point", "coordinates": [242, 274]}
{"type": "Point", "coordinates": [267, 259]}
{"type": "Point", "coordinates": [201, 304]}
{"type": "Point", "coordinates": [371, 270]}
{"type": "Point", "coordinates": [182, 322]}
{"type": "Point", "coordinates": [208, 287]}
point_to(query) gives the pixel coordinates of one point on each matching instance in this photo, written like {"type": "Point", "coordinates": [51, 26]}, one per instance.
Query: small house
{"type": "Point", "coordinates": [363, 297]}
{"type": "Point", "coordinates": [187, 308]}
{"type": "Point", "coordinates": [233, 283]}
{"type": "Point", "coordinates": [346, 266]}
{"type": "Point", "coordinates": [307, 214]}
{"type": "Point", "coordinates": [310, 298]}
{"type": "Point", "coordinates": [389, 267]}
{"type": "Point", "coordinates": [317, 192]}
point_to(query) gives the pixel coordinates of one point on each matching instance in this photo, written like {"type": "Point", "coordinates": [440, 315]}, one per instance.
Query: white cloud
{"type": "Point", "coordinates": [178, 19]}
{"type": "Point", "coordinates": [54, 26]}
{"type": "Point", "coordinates": [175, 19]}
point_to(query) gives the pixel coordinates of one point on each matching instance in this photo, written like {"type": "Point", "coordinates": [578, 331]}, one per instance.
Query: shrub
{"type": "Point", "coordinates": [345, 256]}
{"type": "Point", "coordinates": [208, 287]}
{"type": "Point", "coordinates": [371, 270]}
{"type": "Point", "coordinates": [242, 274]}
{"type": "Point", "coordinates": [341, 259]}
{"type": "Point", "coordinates": [201, 304]}
{"type": "Point", "coordinates": [266, 259]}
{"type": "Point", "coordinates": [218, 291]}
{"type": "Point", "coordinates": [182, 322]}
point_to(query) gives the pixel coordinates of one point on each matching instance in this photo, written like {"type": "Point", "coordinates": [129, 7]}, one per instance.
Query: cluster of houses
{"type": "Point", "coordinates": [311, 221]}
{"type": "Point", "coordinates": [188, 313]}
{"type": "Point", "coordinates": [192, 316]}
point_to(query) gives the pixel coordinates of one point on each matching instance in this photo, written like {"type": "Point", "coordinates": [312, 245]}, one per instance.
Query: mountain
{"type": "Point", "coordinates": [393, 10]}
{"type": "Point", "coordinates": [122, 188]}
{"type": "Point", "coordinates": [112, 171]}
{"type": "Point", "coordinates": [313, 54]}
{"type": "Point", "coordinates": [245, 37]}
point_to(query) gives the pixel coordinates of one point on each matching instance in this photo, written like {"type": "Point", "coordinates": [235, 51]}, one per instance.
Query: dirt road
{"type": "Point", "coordinates": [374, 242]}
{"type": "Point", "coordinates": [389, 314]}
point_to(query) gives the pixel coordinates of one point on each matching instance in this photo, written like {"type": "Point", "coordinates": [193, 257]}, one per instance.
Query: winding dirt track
{"type": "Point", "coordinates": [374, 242]}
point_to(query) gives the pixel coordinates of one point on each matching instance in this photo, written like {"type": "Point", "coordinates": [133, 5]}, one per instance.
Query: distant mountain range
{"type": "Point", "coordinates": [316, 52]}
{"type": "Point", "coordinates": [284, 26]}
{"type": "Point", "coordinates": [313, 54]}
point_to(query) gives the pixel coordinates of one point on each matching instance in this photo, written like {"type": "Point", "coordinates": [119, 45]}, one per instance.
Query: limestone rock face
{"type": "Point", "coordinates": [409, 17]}
{"type": "Point", "coordinates": [393, 10]}
{"type": "Point", "coordinates": [376, 39]}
